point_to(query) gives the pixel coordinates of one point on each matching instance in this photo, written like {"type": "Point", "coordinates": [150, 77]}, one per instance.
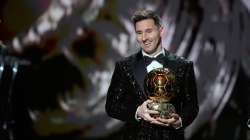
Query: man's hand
{"type": "Point", "coordinates": [144, 113]}
{"type": "Point", "coordinates": [174, 121]}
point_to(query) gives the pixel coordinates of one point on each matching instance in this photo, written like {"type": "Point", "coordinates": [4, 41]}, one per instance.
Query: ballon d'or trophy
{"type": "Point", "coordinates": [159, 87]}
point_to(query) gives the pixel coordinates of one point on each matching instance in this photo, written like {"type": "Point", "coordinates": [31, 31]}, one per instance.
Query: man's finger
{"type": "Point", "coordinates": [166, 121]}
{"type": "Point", "coordinates": [152, 111]}
{"type": "Point", "coordinates": [176, 116]}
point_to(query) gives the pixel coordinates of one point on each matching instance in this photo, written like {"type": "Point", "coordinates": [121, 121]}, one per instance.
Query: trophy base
{"type": "Point", "coordinates": [164, 109]}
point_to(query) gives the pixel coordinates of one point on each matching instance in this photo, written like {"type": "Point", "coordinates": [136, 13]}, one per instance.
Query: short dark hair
{"type": "Point", "coordinates": [146, 14]}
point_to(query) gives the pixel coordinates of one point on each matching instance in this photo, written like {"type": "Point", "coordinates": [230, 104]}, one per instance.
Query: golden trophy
{"type": "Point", "coordinates": [159, 87]}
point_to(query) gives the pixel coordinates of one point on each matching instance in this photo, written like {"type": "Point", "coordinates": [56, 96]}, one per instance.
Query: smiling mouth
{"type": "Point", "coordinates": [148, 44]}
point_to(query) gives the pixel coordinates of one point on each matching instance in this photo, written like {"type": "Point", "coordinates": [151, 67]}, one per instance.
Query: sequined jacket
{"type": "Point", "coordinates": [126, 93]}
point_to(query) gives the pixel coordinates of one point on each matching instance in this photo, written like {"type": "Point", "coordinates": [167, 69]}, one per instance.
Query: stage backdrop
{"type": "Point", "coordinates": [72, 46]}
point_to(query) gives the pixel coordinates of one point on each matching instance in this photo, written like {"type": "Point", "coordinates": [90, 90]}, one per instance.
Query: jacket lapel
{"type": "Point", "coordinates": [166, 57]}
{"type": "Point", "coordinates": [139, 70]}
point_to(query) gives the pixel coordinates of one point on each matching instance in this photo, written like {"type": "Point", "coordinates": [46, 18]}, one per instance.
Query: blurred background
{"type": "Point", "coordinates": [57, 58]}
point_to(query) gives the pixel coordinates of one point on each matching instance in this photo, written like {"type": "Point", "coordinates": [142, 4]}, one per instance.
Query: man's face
{"type": "Point", "coordinates": [148, 35]}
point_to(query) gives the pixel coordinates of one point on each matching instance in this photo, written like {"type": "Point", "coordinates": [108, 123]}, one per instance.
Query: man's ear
{"type": "Point", "coordinates": [162, 31]}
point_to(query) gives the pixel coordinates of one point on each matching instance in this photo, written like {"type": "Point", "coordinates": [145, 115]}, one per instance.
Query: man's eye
{"type": "Point", "coordinates": [149, 31]}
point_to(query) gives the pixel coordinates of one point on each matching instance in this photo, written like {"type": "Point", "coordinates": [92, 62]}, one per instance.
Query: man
{"type": "Point", "coordinates": [126, 99]}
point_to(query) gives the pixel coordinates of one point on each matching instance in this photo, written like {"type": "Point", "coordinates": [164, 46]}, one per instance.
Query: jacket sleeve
{"type": "Point", "coordinates": [190, 107]}
{"type": "Point", "coordinates": [120, 102]}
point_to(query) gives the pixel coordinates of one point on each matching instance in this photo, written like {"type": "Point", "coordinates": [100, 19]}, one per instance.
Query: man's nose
{"type": "Point", "coordinates": [144, 37]}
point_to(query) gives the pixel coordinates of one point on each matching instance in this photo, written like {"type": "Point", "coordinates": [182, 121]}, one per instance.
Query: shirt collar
{"type": "Point", "coordinates": [153, 56]}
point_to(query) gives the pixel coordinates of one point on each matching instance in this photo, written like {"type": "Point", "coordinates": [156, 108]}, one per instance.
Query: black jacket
{"type": "Point", "coordinates": [126, 93]}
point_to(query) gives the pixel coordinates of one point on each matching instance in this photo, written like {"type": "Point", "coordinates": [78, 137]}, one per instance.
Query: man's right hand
{"type": "Point", "coordinates": [144, 113]}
